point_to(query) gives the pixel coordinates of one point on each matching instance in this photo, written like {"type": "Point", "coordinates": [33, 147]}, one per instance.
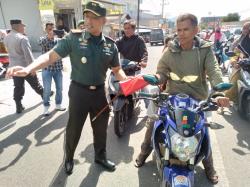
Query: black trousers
{"type": "Point", "coordinates": [19, 86]}
{"type": "Point", "coordinates": [82, 102]}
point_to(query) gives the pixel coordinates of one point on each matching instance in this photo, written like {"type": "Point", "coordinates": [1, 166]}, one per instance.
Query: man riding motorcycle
{"type": "Point", "coordinates": [187, 55]}
{"type": "Point", "coordinates": [232, 93]}
{"type": "Point", "coordinates": [132, 46]}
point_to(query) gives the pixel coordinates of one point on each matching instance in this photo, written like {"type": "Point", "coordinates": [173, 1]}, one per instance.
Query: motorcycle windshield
{"type": "Point", "coordinates": [186, 121]}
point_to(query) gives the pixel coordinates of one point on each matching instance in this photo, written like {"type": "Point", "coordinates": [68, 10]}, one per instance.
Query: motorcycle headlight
{"type": "Point", "coordinates": [183, 148]}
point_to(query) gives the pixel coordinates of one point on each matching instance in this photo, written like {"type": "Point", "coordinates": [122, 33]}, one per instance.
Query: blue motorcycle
{"type": "Point", "coordinates": [180, 137]}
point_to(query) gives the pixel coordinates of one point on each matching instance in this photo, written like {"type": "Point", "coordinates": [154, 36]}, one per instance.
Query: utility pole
{"type": "Point", "coordinates": [138, 16]}
{"type": "Point", "coordinates": [1, 10]}
{"type": "Point", "coordinates": [162, 8]}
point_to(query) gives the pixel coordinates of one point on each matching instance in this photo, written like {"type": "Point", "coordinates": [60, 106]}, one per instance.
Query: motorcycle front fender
{"type": "Point", "coordinates": [119, 103]}
{"type": "Point", "coordinates": [178, 176]}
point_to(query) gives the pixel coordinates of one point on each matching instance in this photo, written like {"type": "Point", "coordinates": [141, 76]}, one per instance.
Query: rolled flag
{"type": "Point", "coordinates": [132, 84]}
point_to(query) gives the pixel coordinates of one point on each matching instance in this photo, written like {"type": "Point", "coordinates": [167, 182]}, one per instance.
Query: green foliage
{"type": "Point", "coordinates": [231, 17]}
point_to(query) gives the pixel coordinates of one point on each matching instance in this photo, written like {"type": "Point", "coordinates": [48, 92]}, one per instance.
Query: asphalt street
{"type": "Point", "coordinates": [32, 154]}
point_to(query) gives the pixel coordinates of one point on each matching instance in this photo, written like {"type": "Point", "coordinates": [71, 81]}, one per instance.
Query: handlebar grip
{"type": "Point", "coordinates": [149, 95]}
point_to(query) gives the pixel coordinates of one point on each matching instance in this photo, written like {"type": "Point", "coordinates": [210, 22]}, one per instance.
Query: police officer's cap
{"type": "Point", "coordinates": [96, 8]}
{"type": "Point", "coordinates": [16, 21]}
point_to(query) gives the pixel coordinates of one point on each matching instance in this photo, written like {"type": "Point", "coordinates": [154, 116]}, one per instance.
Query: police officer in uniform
{"type": "Point", "coordinates": [20, 54]}
{"type": "Point", "coordinates": [91, 54]}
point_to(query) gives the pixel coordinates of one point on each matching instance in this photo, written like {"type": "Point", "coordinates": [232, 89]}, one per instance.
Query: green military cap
{"type": "Point", "coordinates": [96, 8]}
{"type": "Point", "coordinates": [80, 22]}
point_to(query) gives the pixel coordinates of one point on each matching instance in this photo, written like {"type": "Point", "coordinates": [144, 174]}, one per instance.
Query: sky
{"type": "Point", "coordinates": [201, 8]}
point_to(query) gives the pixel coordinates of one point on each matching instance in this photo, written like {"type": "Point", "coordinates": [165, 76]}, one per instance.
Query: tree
{"type": "Point", "coordinates": [231, 17]}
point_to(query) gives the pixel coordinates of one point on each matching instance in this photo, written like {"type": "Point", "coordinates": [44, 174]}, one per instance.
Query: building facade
{"type": "Point", "coordinates": [35, 13]}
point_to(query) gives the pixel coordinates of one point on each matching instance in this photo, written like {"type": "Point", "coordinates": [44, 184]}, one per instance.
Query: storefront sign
{"type": "Point", "coordinates": [46, 5]}
{"type": "Point", "coordinates": [47, 16]}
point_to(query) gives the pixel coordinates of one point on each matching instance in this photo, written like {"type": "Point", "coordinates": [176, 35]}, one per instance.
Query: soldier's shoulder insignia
{"type": "Point", "coordinates": [76, 31]}
{"type": "Point", "coordinates": [110, 39]}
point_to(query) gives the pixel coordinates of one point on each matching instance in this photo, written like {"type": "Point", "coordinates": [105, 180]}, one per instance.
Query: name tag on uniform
{"type": "Point", "coordinates": [83, 43]}
{"type": "Point", "coordinates": [107, 51]}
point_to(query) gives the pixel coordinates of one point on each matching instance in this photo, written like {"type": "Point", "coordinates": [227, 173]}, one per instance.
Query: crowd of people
{"type": "Point", "coordinates": [91, 54]}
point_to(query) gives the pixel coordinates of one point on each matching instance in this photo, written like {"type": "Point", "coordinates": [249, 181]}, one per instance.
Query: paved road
{"type": "Point", "coordinates": [31, 147]}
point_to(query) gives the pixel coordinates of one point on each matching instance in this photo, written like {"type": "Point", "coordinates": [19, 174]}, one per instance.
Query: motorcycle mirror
{"type": "Point", "coordinates": [222, 87]}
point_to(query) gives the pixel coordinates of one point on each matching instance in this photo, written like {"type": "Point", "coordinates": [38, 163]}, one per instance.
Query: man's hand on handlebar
{"type": "Point", "coordinates": [151, 79]}
{"type": "Point", "coordinates": [222, 101]}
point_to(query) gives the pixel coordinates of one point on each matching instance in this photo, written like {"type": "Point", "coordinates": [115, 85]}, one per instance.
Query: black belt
{"type": "Point", "coordinates": [89, 87]}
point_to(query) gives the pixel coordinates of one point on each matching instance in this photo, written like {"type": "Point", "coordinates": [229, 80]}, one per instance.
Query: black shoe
{"type": "Point", "coordinates": [106, 164]}
{"type": "Point", "coordinates": [19, 107]}
{"type": "Point", "coordinates": [68, 166]}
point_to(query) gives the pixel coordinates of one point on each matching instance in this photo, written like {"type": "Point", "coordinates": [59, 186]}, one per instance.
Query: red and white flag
{"type": "Point", "coordinates": [132, 84]}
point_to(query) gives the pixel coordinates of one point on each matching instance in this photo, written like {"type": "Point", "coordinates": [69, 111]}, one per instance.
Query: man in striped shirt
{"type": "Point", "coordinates": [54, 71]}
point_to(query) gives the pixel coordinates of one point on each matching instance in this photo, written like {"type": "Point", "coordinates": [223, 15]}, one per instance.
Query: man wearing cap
{"type": "Point", "coordinates": [91, 54]}
{"type": "Point", "coordinates": [20, 54]}
{"type": "Point", "coordinates": [80, 24]}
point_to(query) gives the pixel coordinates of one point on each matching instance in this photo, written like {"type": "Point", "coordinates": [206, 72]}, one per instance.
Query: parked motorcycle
{"type": "Point", "coordinates": [180, 137]}
{"type": "Point", "coordinates": [123, 106]}
{"type": "Point", "coordinates": [243, 85]}
{"type": "Point", "coordinates": [244, 88]}
{"type": "Point", "coordinates": [220, 53]}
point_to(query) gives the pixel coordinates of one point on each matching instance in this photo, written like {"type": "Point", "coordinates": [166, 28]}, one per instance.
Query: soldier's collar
{"type": "Point", "coordinates": [87, 36]}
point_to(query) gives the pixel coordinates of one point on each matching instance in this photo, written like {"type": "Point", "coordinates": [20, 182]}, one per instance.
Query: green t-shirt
{"type": "Point", "coordinates": [90, 56]}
